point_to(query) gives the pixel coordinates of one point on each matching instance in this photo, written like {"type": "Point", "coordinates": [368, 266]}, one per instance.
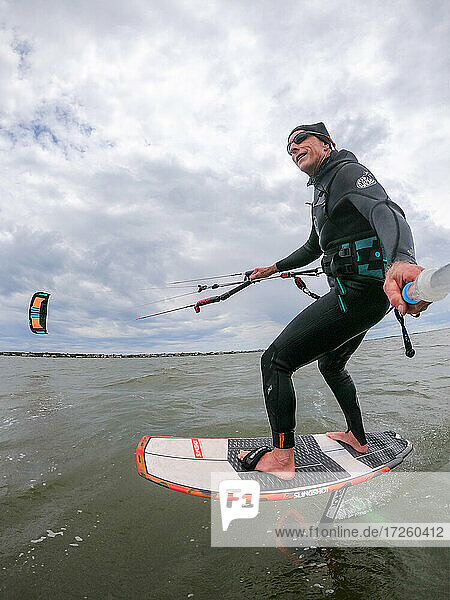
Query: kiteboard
{"type": "Point", "coordinates": [321, 464]}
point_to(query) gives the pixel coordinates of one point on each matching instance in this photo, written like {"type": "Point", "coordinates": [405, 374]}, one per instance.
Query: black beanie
{"type": "Point", "coordinates": [317, 128]}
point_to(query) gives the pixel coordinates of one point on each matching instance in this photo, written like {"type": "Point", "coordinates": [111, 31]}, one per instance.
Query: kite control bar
{"type": "Point", "coordinates": [241, 286]}
{"type": "Point", "coordinates": [225, 295]}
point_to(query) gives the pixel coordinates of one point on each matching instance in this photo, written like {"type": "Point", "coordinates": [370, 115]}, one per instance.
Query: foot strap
{"type": "Point", "coordinates": [251, 459]}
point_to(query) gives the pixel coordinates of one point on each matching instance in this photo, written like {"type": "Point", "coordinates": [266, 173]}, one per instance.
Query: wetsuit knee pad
{"type": "Point", "coordinates": [266, 357]}
{"type": "Point", "coordinates": [271, 361]}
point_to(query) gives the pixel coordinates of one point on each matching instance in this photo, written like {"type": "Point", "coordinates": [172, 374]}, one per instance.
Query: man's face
{"type": "Point", "coordinates": [309, 153]}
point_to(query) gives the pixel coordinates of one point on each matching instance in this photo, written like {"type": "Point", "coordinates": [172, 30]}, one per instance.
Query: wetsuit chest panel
{"type": "Point", "coordinates": [344, 222]}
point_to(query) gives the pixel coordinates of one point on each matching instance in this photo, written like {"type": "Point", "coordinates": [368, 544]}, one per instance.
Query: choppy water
{"type": "Point", "coordinates": [76, 521]}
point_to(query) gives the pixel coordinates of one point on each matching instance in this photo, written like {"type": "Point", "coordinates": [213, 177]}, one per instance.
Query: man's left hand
{"type": "Point", "coordinates": [398, 275]}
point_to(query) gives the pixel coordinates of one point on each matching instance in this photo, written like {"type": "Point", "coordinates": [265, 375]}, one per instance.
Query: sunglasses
{"type": "Point", "coordinates": [302, 135]}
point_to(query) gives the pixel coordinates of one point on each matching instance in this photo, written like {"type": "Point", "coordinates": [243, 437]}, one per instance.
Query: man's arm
{"type": "Point", "coordinates": [372, 201]}
{"type": "Point", "coordinates": [394, 233]}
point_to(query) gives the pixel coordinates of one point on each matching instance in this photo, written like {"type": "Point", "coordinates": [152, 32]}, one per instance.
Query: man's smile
{"type": "Point", "coordinates": [300, 156]}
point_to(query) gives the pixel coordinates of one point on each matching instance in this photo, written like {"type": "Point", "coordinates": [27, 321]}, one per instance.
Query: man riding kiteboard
{"type": "Point", "coordinates": [365, 244]}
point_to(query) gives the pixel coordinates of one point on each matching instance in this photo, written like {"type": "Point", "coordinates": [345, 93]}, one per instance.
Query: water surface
{"type": "Point", "coordinates": [76, 521]}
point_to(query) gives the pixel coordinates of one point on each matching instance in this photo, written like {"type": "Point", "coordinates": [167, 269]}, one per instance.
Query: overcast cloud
{"type": "Point", "coordinates": [143, 142]}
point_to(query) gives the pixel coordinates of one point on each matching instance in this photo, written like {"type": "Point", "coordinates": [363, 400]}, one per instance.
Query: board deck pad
{"type": "Point", "coordinates": [321, 464]}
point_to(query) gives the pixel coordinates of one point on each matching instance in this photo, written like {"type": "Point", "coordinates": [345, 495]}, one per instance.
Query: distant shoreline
{"type": "Point", "coordinates": [102, 355]}
{"type": "Point", "coordinates": [168, 354]}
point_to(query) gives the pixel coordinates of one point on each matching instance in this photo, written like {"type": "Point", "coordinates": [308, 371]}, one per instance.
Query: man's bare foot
{"type": "Point", "coordinates": [347, 438]}
{"type": "Point", "coordinates": [278, 462]}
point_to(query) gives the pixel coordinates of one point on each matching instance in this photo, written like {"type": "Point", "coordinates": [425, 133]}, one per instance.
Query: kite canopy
{"type": "Point", "coordinates": [38, 312]}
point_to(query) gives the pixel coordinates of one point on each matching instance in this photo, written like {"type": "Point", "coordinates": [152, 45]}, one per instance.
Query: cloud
{"type": "Point", "coordinates": [143, 143]}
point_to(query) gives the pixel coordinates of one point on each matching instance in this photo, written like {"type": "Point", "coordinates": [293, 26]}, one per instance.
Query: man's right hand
{"type": "Point", "coordinates": [261, 272]}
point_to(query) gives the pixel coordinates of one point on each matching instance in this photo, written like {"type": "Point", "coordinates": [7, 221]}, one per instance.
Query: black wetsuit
{"type": "Point", "coordinates": [349, 204]}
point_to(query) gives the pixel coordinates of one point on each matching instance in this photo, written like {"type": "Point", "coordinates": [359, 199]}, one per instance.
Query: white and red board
{"type": "Point", "coordinates": [321, 464]}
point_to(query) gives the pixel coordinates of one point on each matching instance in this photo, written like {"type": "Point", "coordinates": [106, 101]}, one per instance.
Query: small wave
{"type": "Point", "coordinates": [165, 374]}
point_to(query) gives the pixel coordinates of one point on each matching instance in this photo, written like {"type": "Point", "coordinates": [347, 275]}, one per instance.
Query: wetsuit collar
{"type": "Point", "coordinates": [332, 161]}
{"type": "Point", "coordinates": [322, 168]}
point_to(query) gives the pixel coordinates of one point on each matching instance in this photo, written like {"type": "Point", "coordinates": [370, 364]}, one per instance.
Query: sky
{"type": "Point", "coordinates": [145, 142]}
